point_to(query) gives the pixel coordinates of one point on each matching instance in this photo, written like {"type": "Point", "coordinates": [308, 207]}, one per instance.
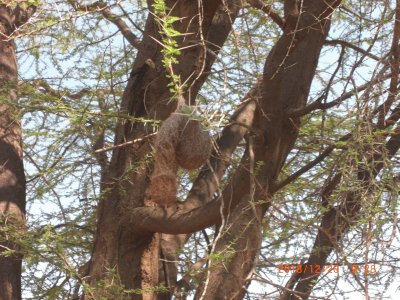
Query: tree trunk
{"type": "Point", "coordinates": [135, 254]}
{"type": "Point", "coordinates": [337, 220]}
{"type": "Point", "coordinates": [12, 177]}
{"type": "Point", "coordinates": [288, 73]}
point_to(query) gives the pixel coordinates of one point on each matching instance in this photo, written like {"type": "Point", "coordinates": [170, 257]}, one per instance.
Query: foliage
{"type": "Point", "coordinates": [74, 67]}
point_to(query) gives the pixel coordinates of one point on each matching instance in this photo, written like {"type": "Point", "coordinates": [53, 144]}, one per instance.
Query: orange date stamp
{"type": "Point", "coordinates": [307, 268]}
{"type": "Point", "coordinates": [366, 269]}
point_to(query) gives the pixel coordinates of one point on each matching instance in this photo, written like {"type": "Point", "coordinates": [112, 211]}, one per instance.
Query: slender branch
{"type": "Point", "coordinates": [123, 27]}
{"type": "Point", "coordinates": [74, 96]}
{"type": "Point", "coordinates": [102, 7]}
{"type": "Point", "coordinates": [317, 104]}
{"type": "Point", "coordinates": [269, 10]}
{"type": "Point", "coordinates": [125, 144]}
{"type": "Point", "coordinates": [304, 169]}
{"type": "Point", "coordinates": [354, 47]}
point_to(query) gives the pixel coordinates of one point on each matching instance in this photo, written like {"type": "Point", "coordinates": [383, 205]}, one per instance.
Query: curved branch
{"type": "Point", "coordinates": [199, 210]}
{"type": "Point", "coordinates": [107, 13]}
{"type": "Point", "coordinates": [183, 219]}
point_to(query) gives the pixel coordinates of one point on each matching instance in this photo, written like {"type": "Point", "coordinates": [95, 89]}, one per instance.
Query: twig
{"type": "Point", "coordinates": [354, 47]}
{"type": "Point", "coordinates": [125, 144]}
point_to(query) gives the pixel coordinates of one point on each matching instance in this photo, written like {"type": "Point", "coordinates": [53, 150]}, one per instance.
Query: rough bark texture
{"type": "Point", "coordinates": [12, 177]}
{"type": "Point", "coordinates": [287, 78]}
{"type": "Point", "coordinates": [134, 253]}
{"type": "Point", "coordinates": [337, 220]}
{"type": "Point", "coordinates": [288, 73]}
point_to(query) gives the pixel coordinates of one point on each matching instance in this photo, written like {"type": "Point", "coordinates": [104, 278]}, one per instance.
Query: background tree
{"type": "Point", "coordinates": [300, 98]}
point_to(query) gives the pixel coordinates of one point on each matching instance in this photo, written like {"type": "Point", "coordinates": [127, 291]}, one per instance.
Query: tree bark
{"type": "Point", "coordinates": [288, 73]}
{"type": "Point", "coordinates": [12, 176]}
{"type": "Point", "coordinates": [337, 220]}
{"type": "Point", "coordinates": [135, 253]}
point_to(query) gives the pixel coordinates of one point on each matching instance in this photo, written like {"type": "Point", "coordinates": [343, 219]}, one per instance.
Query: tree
{"type": "Point", "coordinates": [293, 181]}
{"type": "Point", "coordinates": [12, 177]}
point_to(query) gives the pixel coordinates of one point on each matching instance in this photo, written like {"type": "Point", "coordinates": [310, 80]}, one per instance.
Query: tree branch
{"type": "Point", "coordinates": [354, 47]}
{"type": "Point", "coordinates": [102, 7]}
{"type": "Point", "coordinates": [307, 167]}
{"type": "Point", "coordinates": [200, 210]}
{"type": "Point", "coordinates": [74, 96]}
{"type": "Point", "coordinates": [269, 10]}
{"type": "Point", "coordinates": [394, 66]}
{"type": "Point", "coordinates": [317, 104]}
{"type": "Point", "coordinates": [123, 27]}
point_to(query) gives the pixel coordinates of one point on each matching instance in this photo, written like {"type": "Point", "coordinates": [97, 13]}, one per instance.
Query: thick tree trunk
{"type": "Point", "coordinates": [288, 73]}
{"type": "Point", "coordinates": [337, 220]}
{"type": "Point", "coordinates": [135, 254]}
{"type": "Point", "coordinates": [12, 177]}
